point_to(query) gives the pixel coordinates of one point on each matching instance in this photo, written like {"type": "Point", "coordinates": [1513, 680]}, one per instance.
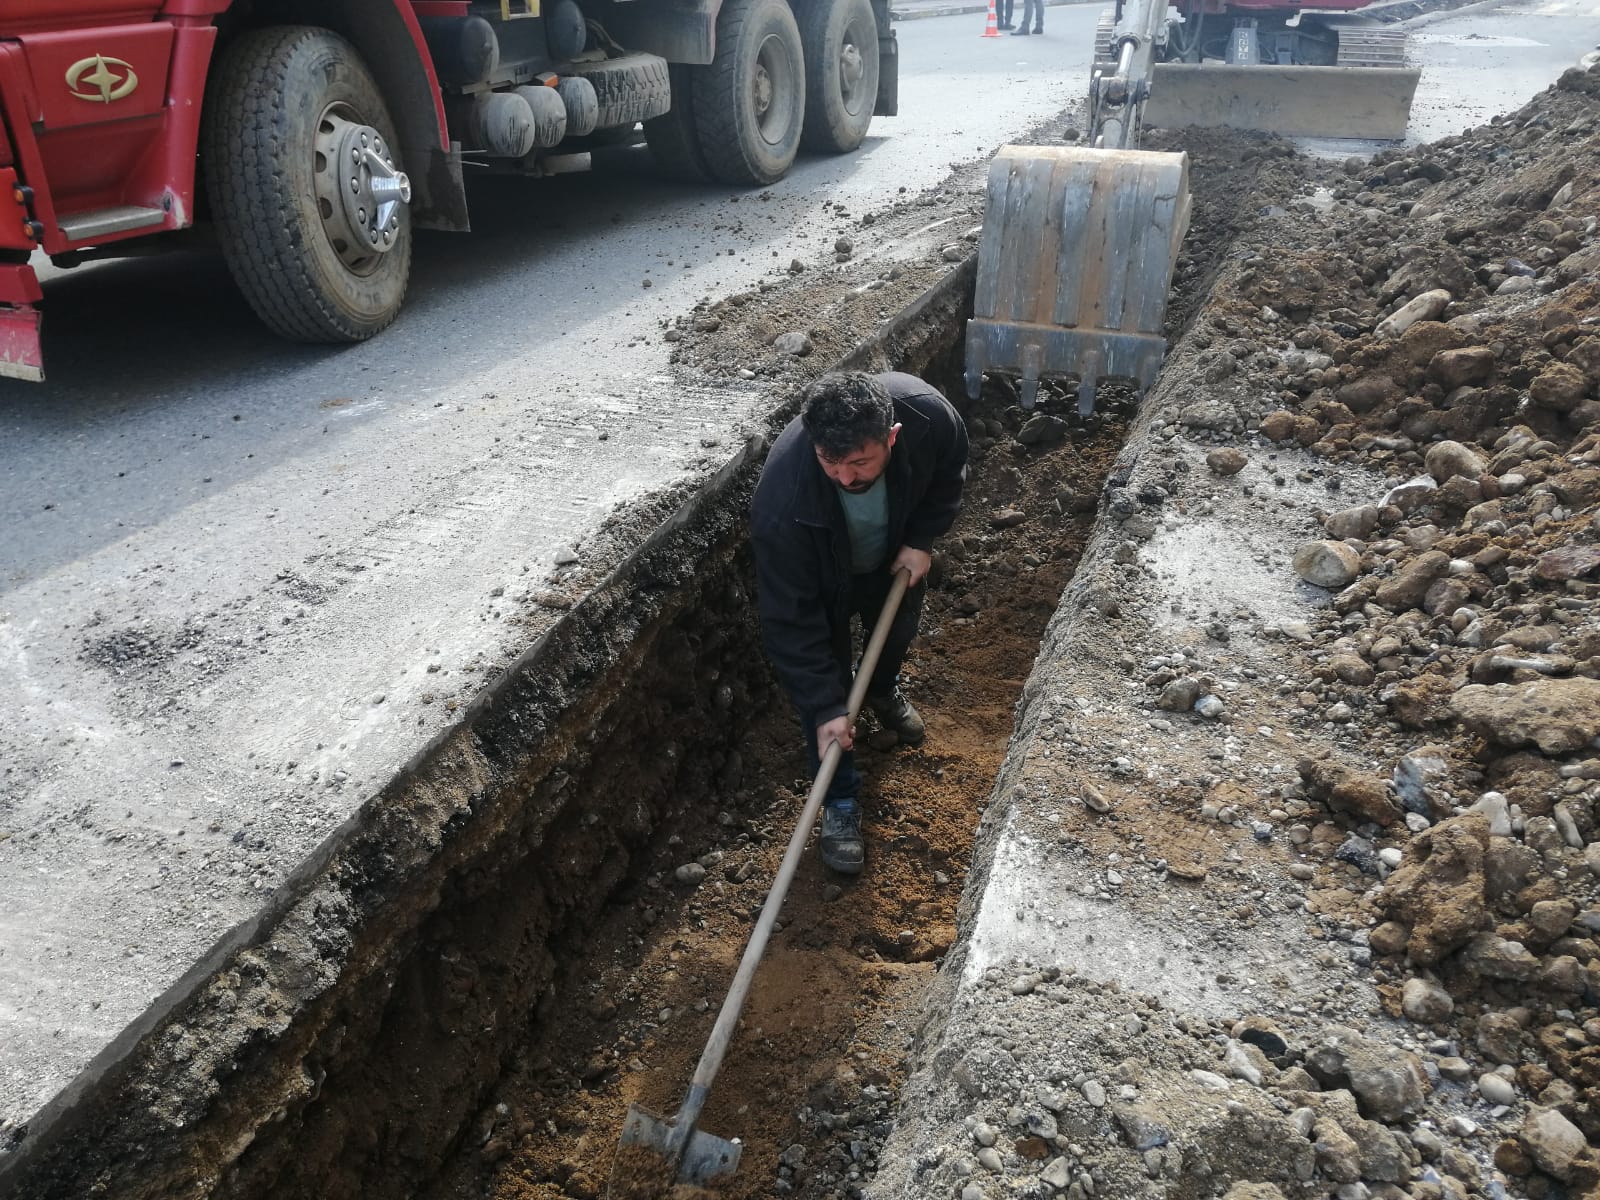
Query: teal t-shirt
{"type": "Point", "coordinates": [866, 516]}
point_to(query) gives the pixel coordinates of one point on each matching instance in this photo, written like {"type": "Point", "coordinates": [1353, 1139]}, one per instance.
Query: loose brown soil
{"type": "Point", "coordinates": [823, 1027]}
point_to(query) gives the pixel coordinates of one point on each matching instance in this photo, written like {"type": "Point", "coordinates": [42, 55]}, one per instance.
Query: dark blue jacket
{"type": "Point", "coordinates": [802, 547]}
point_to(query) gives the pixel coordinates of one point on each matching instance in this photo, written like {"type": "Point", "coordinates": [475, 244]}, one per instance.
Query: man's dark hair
{"type": "Point", "coordinates": [844, 410]}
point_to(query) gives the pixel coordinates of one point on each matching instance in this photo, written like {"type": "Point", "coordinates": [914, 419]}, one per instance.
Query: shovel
{"type": "Point", "coordinates": [657, 1153]}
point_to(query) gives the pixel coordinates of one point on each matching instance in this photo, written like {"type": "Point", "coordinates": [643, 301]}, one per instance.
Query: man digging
{"type": "Point", "coordinates": [856, 487]}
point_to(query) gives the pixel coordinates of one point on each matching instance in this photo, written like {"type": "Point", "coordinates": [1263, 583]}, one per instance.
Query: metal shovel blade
{"type": "Point", "coordinates": [653, 1158]}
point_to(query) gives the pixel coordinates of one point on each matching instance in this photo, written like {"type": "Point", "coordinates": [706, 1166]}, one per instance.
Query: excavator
{"type": "Point", "coordinates": [1079, 242]}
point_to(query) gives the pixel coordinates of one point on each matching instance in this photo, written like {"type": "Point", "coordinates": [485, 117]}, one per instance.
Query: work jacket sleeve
{"type": "Point", "coordinates": [940, 504]}
{"type": "Point", "coordinates": [794, 624]}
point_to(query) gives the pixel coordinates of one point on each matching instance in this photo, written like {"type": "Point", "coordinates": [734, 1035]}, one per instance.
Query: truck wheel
{"type": "Point", "coordinates": [749, 104]}
{"type": "Point", "coordinates": [304, 179]}
{"type": "Point", "coordinates": [674, 144]}
{"type": "Point", "coordinates": [629, 89]}
{"type": "Point", "coordinates": [841, 46]}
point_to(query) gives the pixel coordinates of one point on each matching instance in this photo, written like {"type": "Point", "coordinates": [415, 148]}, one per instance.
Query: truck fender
{"type": "Point", "coordinates": [680, 31]}
{"type": "Point", "coordinates": [888, 101]}
{"type": "Point", "coordinates": [389, 38]}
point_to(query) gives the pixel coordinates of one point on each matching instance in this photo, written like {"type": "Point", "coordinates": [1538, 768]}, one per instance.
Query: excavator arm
{"type": "Point", "coordinates": [1120, 83]}
{"type": "Point", "coordinates": [1079, 243]}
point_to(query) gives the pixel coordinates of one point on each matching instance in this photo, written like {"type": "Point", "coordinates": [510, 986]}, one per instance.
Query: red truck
{"type": "Point", "coordinates": [312, 136]}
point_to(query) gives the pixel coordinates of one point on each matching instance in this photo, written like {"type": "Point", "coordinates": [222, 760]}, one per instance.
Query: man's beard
{"type": "Point", "coordinates": [855, 489]}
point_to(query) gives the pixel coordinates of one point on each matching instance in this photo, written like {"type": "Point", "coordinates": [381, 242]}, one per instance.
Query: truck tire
{"type": "Point", "coordinates": [840, 38]}
{"type": "Point", "coordinates": [750, 103]}
{"type": "Point", "coordinates": [627, 90]}
{"type": "Point", "coordinates": [280, 99]}
{"type": "Point", "coordinates": [673, 142]}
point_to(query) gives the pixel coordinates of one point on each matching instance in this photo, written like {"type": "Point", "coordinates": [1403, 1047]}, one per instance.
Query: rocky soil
{"type": "Point", "coordinates": [1403, 363]}
{"type": "Point", "coordinates": [1438, 322]}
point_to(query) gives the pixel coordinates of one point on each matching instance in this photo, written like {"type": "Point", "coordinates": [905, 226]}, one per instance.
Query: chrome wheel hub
{"type": "Point", "coordinates": [851, 68]}
{"type": "Point", "coordinates": [763, 90]}
{"type": "Point", "coordinates": [359, 191]}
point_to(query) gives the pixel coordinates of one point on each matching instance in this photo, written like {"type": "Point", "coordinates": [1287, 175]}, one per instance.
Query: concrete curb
{"type": "Point", "coordinates": [964, 10]}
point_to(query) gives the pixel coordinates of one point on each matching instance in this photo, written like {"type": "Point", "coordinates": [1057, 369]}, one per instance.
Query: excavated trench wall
{"type": "Point", "coordinates": [342, 1043]}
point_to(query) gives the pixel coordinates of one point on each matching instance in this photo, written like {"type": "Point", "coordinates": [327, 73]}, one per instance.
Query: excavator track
{"type": "Point", "coordinates": [1371, 46]}
{"type": "Point", "coordinates": [1103, 30]}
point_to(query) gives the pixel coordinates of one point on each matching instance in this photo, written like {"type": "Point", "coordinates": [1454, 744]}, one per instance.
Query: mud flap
{"type": "Point", "coordinates": [888, 104]}
{"type": "Point", "coordinates": [21, 355]}
{"type": "Point", "coordinates": [1075, 265]}
{"type": "Point", "coordinates": [1339, 102]}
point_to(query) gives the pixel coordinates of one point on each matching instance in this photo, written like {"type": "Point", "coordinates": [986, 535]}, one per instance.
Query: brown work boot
{"type": "Point", "coordinates": [894, 713]}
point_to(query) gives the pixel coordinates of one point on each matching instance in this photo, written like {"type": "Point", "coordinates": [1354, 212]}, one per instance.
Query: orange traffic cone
{"type": "Point", "coordinates": [991, 26]}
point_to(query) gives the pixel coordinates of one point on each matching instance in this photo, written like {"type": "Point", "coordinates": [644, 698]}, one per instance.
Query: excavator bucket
{"type": "Point", "coordinates": [1075, 265]}
{"type": "Point", "coordinates": [1336, 102]}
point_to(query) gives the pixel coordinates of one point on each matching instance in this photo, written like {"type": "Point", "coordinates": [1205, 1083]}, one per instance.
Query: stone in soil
{"type": "Point", "coordinates": [1327, 564]}
{"type": "Point", "coordinates": [1426, 1003]}
{"type": "Point", "coordinates": [1439, 896]}
{"type": "Point", "coordinates": [1554, 1143]}
{"type": "Point", "coordinates": [1558, 716]}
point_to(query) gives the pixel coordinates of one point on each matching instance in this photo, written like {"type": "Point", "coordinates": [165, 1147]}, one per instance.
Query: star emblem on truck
{"type": "Point", "coordinates": [101, 80]}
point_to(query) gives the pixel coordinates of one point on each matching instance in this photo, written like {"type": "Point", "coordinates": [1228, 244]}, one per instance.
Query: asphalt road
{"type": "Point", "coordinates": [239, 577]}
{"type": "Point", "coordinates": [1480, 63]}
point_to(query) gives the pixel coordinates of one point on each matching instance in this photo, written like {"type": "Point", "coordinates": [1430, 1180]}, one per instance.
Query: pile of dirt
{"type": "Point", "coordinates": [1435, 320]}
{"type": "Point", "coordinates": [1354, 856]}
{"type": "Point", "coordinates": [805, 317]}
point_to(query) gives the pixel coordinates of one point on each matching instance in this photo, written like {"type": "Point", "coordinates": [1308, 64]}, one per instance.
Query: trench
{"type": "Point", "coordinates": [566, 971]}
{"type": "Point", "coordinates": [810, 1081]}
{"type": "Point", "coordinates": [466, 987]}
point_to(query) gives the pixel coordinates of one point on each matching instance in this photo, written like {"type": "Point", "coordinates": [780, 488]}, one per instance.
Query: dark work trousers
{"type": "Point", "coordinates": [867, 594]}
{"type": "Point", "coordinates": [1002, 12]}
{"type": "Point", "coordinates": [1033, 10]}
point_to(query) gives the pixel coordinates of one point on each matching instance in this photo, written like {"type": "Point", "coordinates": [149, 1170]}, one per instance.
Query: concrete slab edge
{"type": "Point", "coordinates": [103, 1093]}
